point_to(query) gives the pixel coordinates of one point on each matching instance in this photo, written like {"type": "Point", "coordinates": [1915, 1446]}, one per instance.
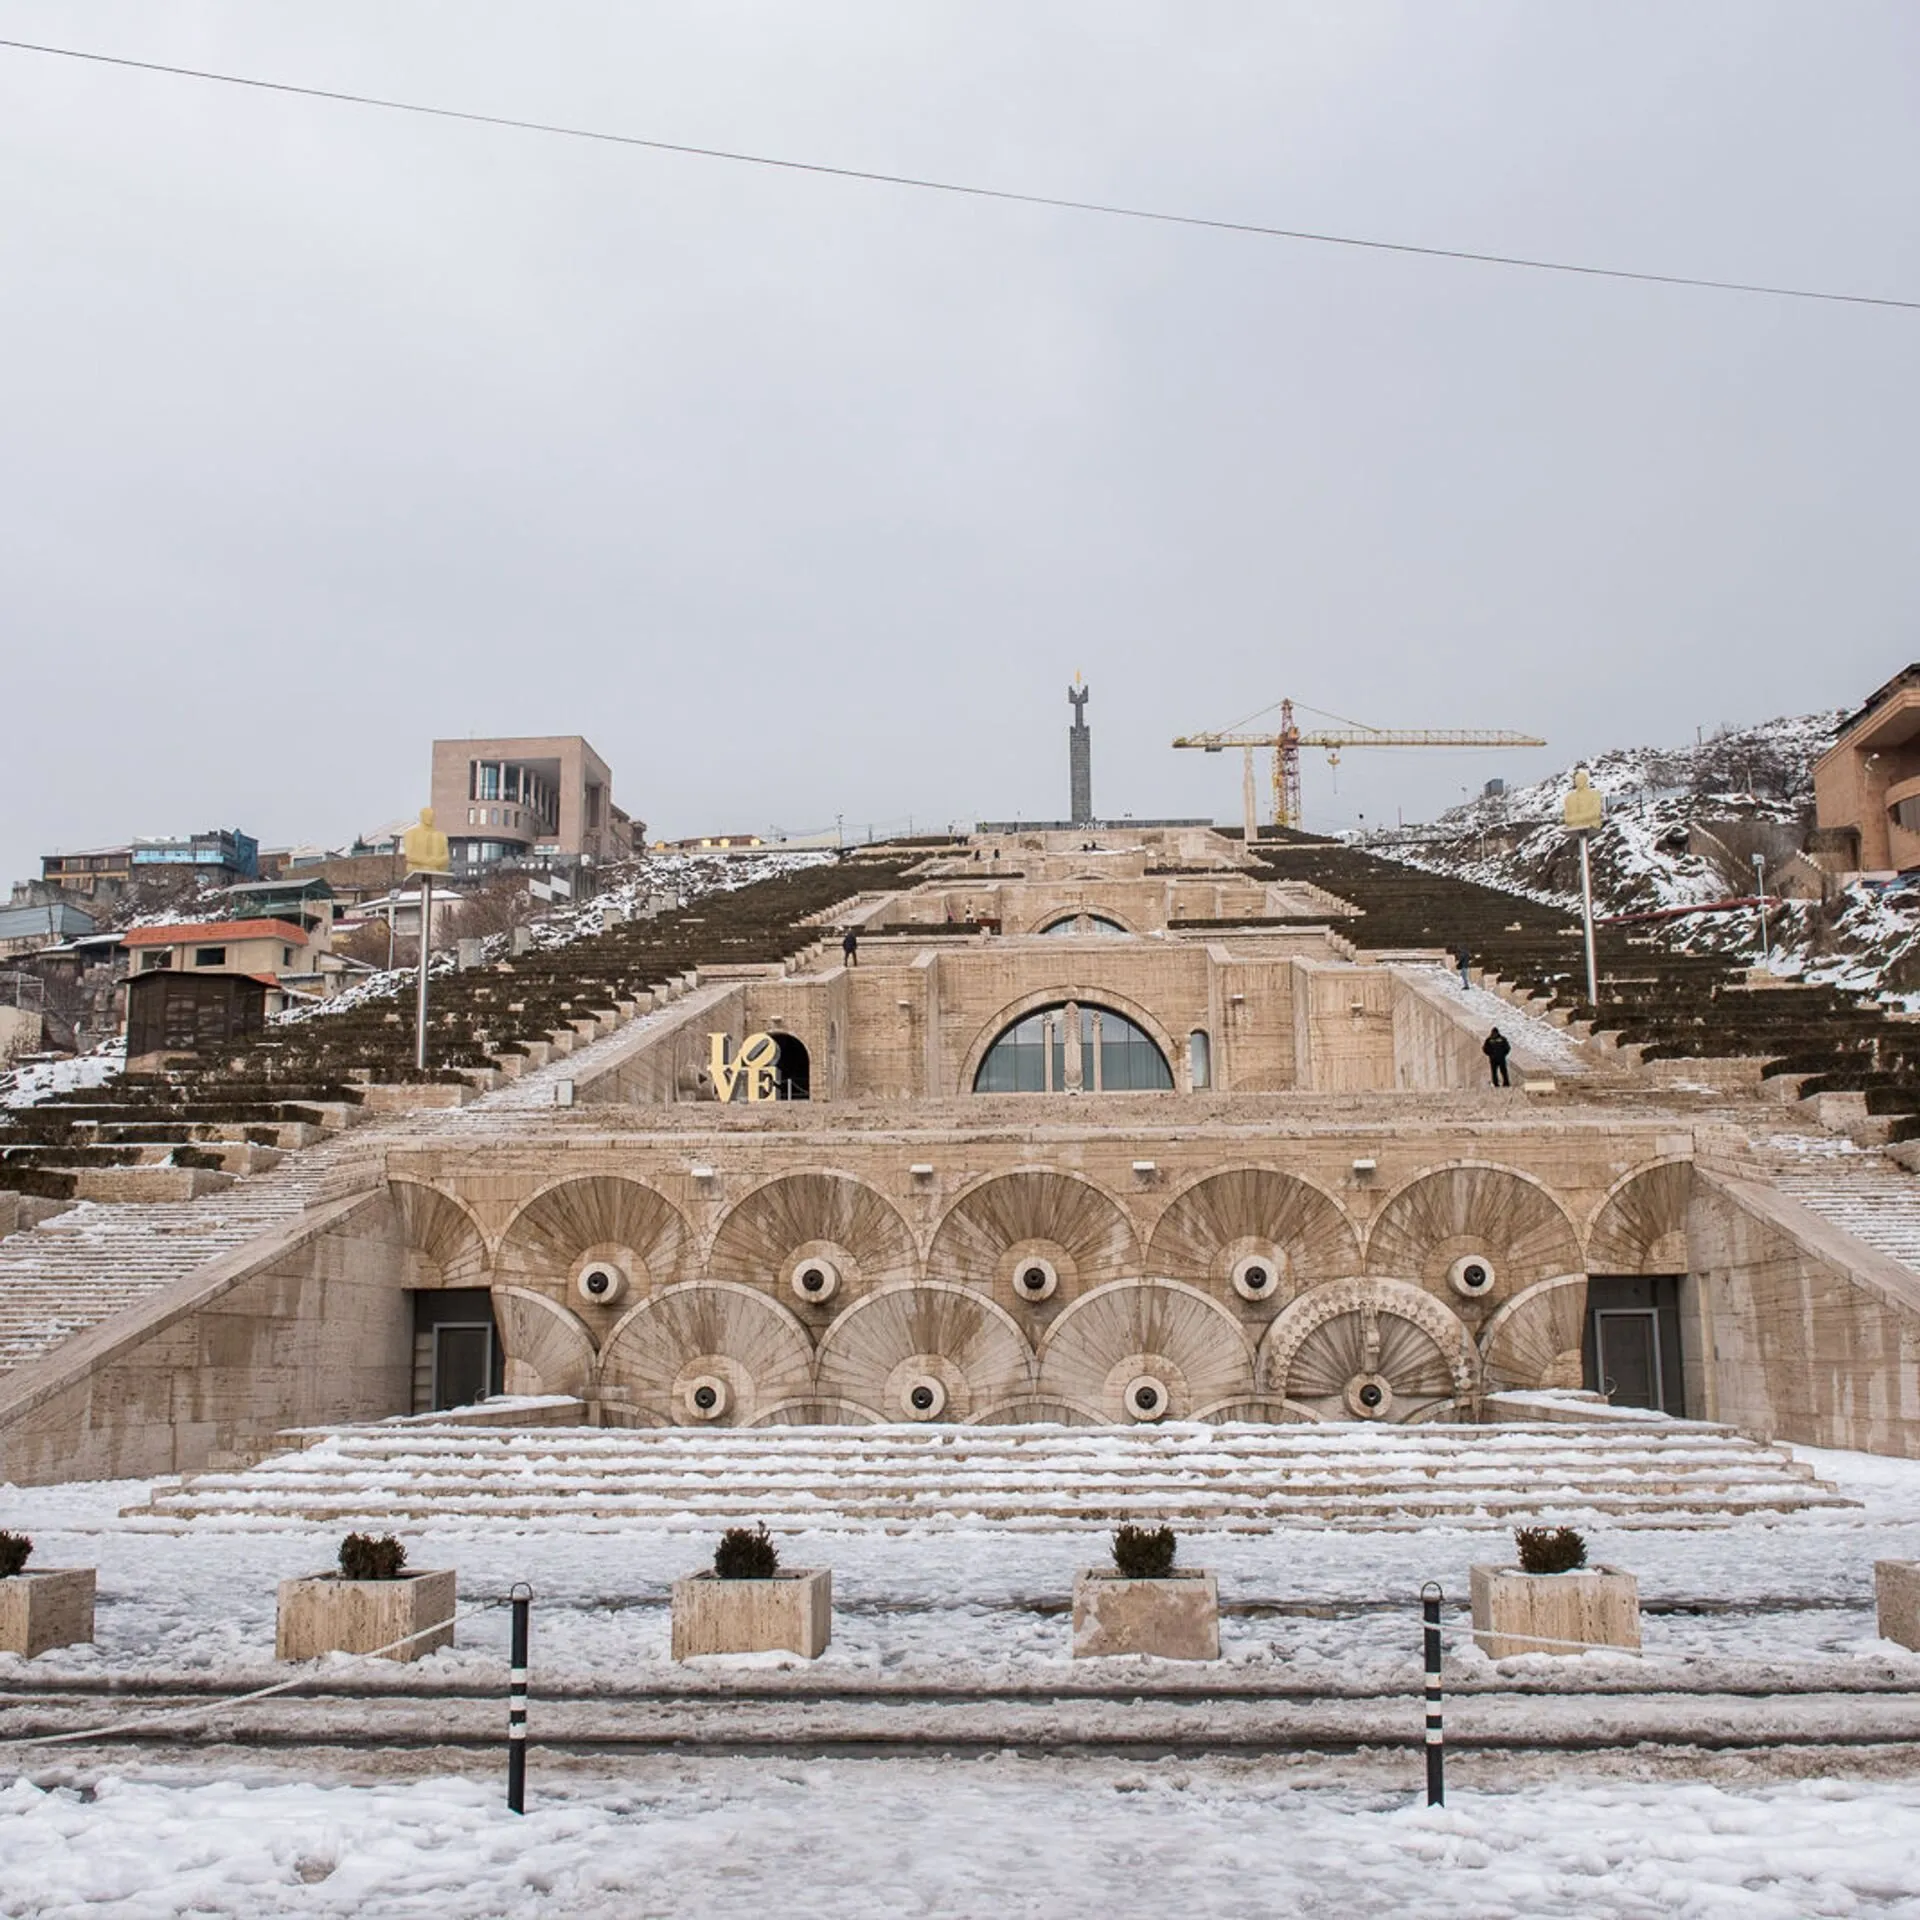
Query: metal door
{"type": "Point", "coordinates": [1627, 1347]}
{"type": "Point", "coordinates": [462, 1363]}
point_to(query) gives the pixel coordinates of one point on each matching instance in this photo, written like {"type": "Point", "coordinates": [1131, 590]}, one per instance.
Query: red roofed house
{"type": "Point", "coordinates": [207, 983]}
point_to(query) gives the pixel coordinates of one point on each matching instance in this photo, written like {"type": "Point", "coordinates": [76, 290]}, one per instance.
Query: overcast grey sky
{"type": "Point", "coordinates": [329, 430]}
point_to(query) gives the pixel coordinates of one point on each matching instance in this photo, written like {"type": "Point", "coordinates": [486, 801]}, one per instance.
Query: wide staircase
{"type": "Point", "coordinates": [1667, 1003]}
{"type": "Point", "coordinates": [1017, 1478]}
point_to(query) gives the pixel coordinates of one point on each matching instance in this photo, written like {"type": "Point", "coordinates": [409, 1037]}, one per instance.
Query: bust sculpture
{"type": "Point", "coordinates": [1585, 806]}
{"type": "Point", "coordinates": [425, 846]}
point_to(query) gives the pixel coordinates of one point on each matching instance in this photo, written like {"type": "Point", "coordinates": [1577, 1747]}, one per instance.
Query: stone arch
{"type": "Point", "coordinates": [1007, 1219]}
{"type": "Point", "coordinates": [1092, 996]}
{"type": "Point", "coordinates": [1473, 1206]}
{"type": "Point", "coordinates": [914, 1330]}
{"type": "Point", "coordinates": [1162, 1328]}
{"type": "Point", "coordinates": [547, 1347]}
{"type": "Point", "coordinates": [605, 1216]}
{"type": "Point", "coordinates": [797, 1218]}
{"type": "Point", "coordinates": [1640, 1225]}
{"type": "Point", "coordinates": [1336, 1340]}
{"type": "Point", "coordinates": [444, 1244]}
{"type": "Point", "coordinates": [706, 1330]}
{"type": "Point", "coordinates": [1535, 1339]}
{"type": "Point", "coordinates": [1058, 916]}
{"type": "Point", "coordinates": [1223, 1217]}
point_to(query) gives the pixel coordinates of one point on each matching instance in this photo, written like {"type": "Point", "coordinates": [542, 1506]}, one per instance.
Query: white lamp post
{"type": "Point", "coordinates": [1760, 903]}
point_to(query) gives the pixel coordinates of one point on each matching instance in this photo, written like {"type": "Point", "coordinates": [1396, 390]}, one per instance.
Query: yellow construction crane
{"type": "Point", "coordinates": [1287, 741]}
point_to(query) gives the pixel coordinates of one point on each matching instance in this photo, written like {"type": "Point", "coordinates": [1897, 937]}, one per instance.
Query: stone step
{"type": "Point", "coordinates": [1005, 1478]}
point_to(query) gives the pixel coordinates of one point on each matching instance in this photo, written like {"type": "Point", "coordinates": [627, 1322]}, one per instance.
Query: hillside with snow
{"type": "Point", "coordinates": [1682, 828]}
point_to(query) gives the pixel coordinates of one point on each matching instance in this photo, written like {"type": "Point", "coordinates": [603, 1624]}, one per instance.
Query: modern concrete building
{"type": "Point", "coordinates": [546, 798]}
{"type": "Point", "coordinates": [1867, 784]}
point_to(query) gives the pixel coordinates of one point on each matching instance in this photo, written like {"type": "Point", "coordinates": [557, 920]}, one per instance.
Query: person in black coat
{"type": "Point", "coordinates": [850, 947]}
{"type": "Point", "coordinates": [1463, 959]}
{"type": "Point", "coordinates": [1496, 1046]}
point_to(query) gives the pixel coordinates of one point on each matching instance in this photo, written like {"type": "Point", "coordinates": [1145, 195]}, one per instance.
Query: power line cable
{"type": "Point", "coordinates": [966, 190]}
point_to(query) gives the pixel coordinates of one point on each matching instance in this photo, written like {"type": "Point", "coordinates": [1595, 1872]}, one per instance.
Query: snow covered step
{"type": "Point", "coordinates": [1006, 1478]}
{"type": "Point", "coordinates": [1874, 1201]}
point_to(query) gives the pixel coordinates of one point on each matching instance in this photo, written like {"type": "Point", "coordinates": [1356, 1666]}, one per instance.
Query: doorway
{"type": "Point", "coordinates": [1633, 1341]}
{"type": "Point", "coordinates": [792, 1071]}
{"type": "Point", "coordinates": [457, 1358]}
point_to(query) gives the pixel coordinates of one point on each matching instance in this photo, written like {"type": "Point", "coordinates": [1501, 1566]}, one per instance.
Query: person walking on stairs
{"type": "Point", "coordinates": [1496, 1046]}
{"type": "Point", "coordinates": [850, 947]}
{"type": "Point", "coordinates": [1463, 959]}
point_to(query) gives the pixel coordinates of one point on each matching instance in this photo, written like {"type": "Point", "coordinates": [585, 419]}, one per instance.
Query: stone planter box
{"type": "Point", "coordinates": [1515, 1612]}
{"type": "Point", "coordinates": [1176, 1617]}
{"type": "Point", "coordinates": [1896, 1593]}
{"type": "Point", "coordinates": [326, 1614]}
{"type": "Point", "coordinates": [51, 1608]}
{"type": "Point", "coordinates": [791, 1613]}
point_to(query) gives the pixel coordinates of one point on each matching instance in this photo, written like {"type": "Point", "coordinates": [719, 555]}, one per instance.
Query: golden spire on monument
{"type": "Point", "coordinates": [425, 847]}
{"type": "Point", "coordinates": [1586, 805]}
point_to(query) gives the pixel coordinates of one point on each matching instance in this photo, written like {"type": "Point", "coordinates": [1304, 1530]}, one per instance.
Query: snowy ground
{"type": "Point", "coordinates": [1005, 1837]}
{"type": "Point", "coordinates": [1636, 1834]}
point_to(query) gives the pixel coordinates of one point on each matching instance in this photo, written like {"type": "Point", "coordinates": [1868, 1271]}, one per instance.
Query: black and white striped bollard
{"type": "Point", "coordinates": [522, 1601]}
{"type": "Point", "coordinates": [1430, 1598]}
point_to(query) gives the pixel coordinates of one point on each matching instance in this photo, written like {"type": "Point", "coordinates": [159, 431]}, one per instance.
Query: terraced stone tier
{"type": "Point", "coordinates": [1032, 1478]}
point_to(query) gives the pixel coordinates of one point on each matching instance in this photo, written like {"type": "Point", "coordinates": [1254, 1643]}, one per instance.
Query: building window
{"type": "Point", "coordinates": [1906, 813]}
{"type": "Point", "coordinates": [1085, 923]}
{"type": "Point", "coordinates": [209, 956]}
{"type": "Point", "coordinates": [286, 956]}
{"type": "Point", "coordinates": [1033, 1055]}
{"type": "Point", "coordinates": [1199, 1061]}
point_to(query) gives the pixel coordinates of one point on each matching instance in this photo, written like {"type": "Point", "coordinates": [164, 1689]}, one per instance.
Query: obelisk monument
{"type": "Point", "coordinates": [1080, 755]}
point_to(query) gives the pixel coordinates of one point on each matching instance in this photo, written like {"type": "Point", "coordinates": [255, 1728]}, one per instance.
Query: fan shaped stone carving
{"type": "Point", "coordinates": [995, 1230]}
{"type": "Point", "coordinates": [547, 1348]}
{"type": "Point", "coordinates": [443, 1246]}
{"type": "Point", "coordinates": [837, 1231]}
{"type": "Point", "coordinates": [1162, 1331]}
{"type": "Point", "coordinates": [1370, 1350]}
{"type": "Point", "coordinates": [1259, 1215]}
{"type": "Point", "coordinates": [1641, 1226]}
{"type": "Point", "coordinates": [707, 1337]}
{"type": "Point", "coordinates": [604, 1217]}
{"type": "Point", "coordinates": [931, 1338]}
{"type": "Point", "coordinates": [1473, 1209]}
{"type": "Point", "coordinates": [1535, 1339]}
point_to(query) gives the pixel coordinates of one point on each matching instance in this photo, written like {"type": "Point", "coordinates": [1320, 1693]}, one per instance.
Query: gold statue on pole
{"type": "Point", "coordinates": [1586, 806]}
{"type": "Point", "coordinates": [425, 847]}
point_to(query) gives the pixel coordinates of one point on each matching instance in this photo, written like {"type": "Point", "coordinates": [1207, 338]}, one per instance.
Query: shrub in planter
{"type": "Point", "coordinates": [1144, 1553]}
{"type": "Point", "coordinates": [1553, 1602]}
{"type": "Point", "coordinates": [1142, 1605]}
{"type": "Point", "coordinates": [370, 1603]}
{"type": "Point", "coordinates": [363, 1557]}
{"type": "Point", "coordinates": [50, 1607]}
{"type": "Point", "coordinates": [749, 1603]}
{"type": "Point", "coordinates": [1549, 1549]}
{"type": "Point", "coordinates": [746, 1553]}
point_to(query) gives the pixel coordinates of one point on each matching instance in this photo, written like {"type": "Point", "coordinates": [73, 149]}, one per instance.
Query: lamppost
{"type": "Point", "coordinates": [428, 857]}
{"type": "Point", "coordinates": [1760, 902]}
{"type": "Point", "coordinates": [1582, 815]}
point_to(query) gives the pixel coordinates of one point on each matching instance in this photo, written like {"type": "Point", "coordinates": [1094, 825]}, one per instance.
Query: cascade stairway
{"type": "Point", "coordinates": [1014, 1478]}
{"type": "Point", "coordinates": [1870, 1198]}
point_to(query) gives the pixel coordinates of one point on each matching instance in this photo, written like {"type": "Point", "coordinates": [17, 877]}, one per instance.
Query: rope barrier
{"type": "Point", "coordinates": [243, 1699]}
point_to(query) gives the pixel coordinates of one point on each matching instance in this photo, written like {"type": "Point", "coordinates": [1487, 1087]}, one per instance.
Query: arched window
{"type": "Point", "coordinates": [1199, 1060]}
{"type": "Point", "coordinates": [1037, 1054]}
{"type": "Point", "coordinates": [1085, 923]}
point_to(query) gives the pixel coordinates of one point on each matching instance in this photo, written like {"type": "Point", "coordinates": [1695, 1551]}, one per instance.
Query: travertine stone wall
{"type": "Point", "coordinates": [1794, 1329]}
{"type": "Point", "coordinates": [1036, 1270]}
{"type": "Point", "coordinates": [312, 1324]}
